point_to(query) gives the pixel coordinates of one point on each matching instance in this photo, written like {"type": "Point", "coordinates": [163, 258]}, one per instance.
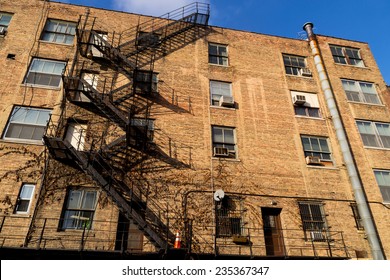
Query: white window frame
{"type": "Point", "coordinates": [231, 147]}
{"type": "Point", "coordinates": [36, 71]}
{"type": "Point", "coordinates": [384, 189]}
{"type": "Point", "coordinates": [375, 133]}
{"type": "Point", "coordinates": [22, 114]}
{"type": "Point", "coordinates": [341, 56]}
{"type": "Point", "coordinates": [294, 68]}
{"type": "Point", "coordinates": [63, 32]}
{"type": "Point", "coordinates": [311, 105]}
{"type": "Point", "coordinates": [5, 24]}
{"type": "Point", "coordinates": [74, 216]}
{"type": "Point", "coordinates": [221, 55]}
{"type": "Point", "coordinates": [219, 89]}
{"type": "Point", "coordinates": [359, 95]}
{"type": "Point", "coordinates": [25, 195]}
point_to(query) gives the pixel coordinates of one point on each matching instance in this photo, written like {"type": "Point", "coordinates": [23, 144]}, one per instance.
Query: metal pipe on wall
{"type": "Point", "coordinates": [357, 187]}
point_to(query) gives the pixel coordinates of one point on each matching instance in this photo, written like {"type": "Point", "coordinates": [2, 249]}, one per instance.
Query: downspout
{"type": "Point", "coordinates": [357, 187]}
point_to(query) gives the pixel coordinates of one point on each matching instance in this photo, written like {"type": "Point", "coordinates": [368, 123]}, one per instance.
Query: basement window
{"type": "Point", "coordinates": [79, 209]}
{"type": "Point", "coordinates": [347, 56]}
{"type": "Point", "coordinates": [313, 221]}
{"type": "Point", "coordinates": [229, 217]}
{"type": "Point", "coordinates": [57, 31]}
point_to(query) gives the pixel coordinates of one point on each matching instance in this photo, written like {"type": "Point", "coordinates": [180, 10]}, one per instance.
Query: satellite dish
{"type": "Point", "coordinates": [219, 195]}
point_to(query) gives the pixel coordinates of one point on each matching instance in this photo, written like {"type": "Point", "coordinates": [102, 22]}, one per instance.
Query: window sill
{"type": "Point", "coordinates": [220, 65]}
{"type": "Point", "coordinates": [23, 142]}
{"type": "Point", "coordinates": [41, 86]}
{"type": "Point", "coordinates": [377, 148]}
{"type": "Point", "coordinates": [299, 76]}
{"type": "Point", "coordinates": [224, 108]}
{"type": "Point", "coordinates": [226, 159]}
{"type": "Point", "coordinates": [311, 118]}
{"type": "Point", "coordinates": [354, 66]}
{"type": "Point", "coordinates": [363, 103]}
{"type": "Point", "coordinates": [55, 43]}
{"type": "Point", "coordinates": [322, 167]}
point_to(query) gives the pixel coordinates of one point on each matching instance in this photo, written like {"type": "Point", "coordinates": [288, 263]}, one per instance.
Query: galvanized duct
{"type": "Point", "coordinates": [360, 197]}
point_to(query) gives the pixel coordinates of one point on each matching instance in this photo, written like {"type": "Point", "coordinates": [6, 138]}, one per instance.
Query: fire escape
{"type": "Point", "coordinates": [125, 101]}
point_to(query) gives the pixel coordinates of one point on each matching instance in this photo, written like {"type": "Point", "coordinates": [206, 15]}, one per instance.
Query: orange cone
{"type": "Point", "coordinates": [177, 244]}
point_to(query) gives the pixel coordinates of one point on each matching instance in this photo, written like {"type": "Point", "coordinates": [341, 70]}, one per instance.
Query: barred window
{"type": "Point", "coordinates": [229, 216]}
{"type": "Point", "coordinates": [313, 221]}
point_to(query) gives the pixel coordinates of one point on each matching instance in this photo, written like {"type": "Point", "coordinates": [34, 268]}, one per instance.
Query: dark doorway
{"type": "Point", "coordinates": [273, 235]}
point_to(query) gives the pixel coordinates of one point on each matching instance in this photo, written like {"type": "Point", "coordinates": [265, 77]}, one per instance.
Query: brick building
{"type": "Point", "coordinates": [119, 130]}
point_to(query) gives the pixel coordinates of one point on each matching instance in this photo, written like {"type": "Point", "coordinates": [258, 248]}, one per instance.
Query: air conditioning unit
{"type": "Point", "coordinates": [317, 236]}
{"type": "Point", "coordinates": [2, 30]}
{"type": "Point", "coordinates": [305, 72]}
{"type": "Point", "coordinates": [221, 152]}
{"type": "Point", "coordinates": [299, 99]}
{"type": "Point", "coordinates": [226, 101]}
{"type": "Point", "coordinates": [313, 160]}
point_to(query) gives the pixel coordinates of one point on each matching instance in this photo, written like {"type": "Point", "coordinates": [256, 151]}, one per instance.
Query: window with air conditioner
{"type": "Point", "coordinates": [306, 104]}
{"type": "Point", "coordinates": [221, 94]}
{"type": "Point", "coordinates": [224, 142]}
{"type": "Point", "coordinates": [316, 150]}
{"type": "Point", "coordinates": [362, 92]}
{"type": "Point", "coordinates": [313, 221]}
{"type": "Point", "coordinates": [59, 31]}
{"type": "Point", "coordinates": [5, 19]}
{"type": "Point", "coordinates": [229, 216]}
{"type": "Point", "coordinates": [296, 65]}
{"type": "Point", "coordinates": [346, 55]}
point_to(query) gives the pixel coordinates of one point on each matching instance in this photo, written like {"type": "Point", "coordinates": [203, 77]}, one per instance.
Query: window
{"type": "Point", "coordinates": [383, 179]}
{"type": "Point", "coordinates": [306, 104]}
{"type": "Point", "coordinates": [45, 72]}
{"type": "Point", "coordinates": [347, 56]}
{"type": "Point", "coordinates": [229, 216]}
{"type": "Point", "coordinates": [316, 147]}
{"type": "Point", "coordinates": [224, 144]}
{"type": "Point", "coordinates": [313, 221]}
{"type": "Point", "coordinates": [140, 131]}
{"type": "Point", "coordinates": [5, 19]}
{"type": "Point", "coordinates": [374, 134]}
{"type": "Point", "coordinates": [24, 199]}
{"type": "Point", "coordinates": [218, 54]}
{"type": "Point", "coordinates": [27, 123]}
{"type": "Point", "coordinates": [296, 65]}
{"type": "Point", "coordinates": [57, 31]}
{"type": "Point", "coordinates": [79, 209]}
{"type": "Point", "coordinates": [362, 92]}
{"type": "Point", "coordinates": [221, 94]}
{"type": "Point", "coordinates": [356, 215]}
{"type": "Point", "coordinates": [145, 82]}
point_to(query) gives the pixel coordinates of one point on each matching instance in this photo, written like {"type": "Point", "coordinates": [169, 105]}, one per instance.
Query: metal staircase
{"type": "Point", "coordinates": [126, 103]}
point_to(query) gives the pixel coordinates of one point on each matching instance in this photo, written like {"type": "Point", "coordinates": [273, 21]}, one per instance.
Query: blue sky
{"type": "Point", "coordinates": [360, 20]}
